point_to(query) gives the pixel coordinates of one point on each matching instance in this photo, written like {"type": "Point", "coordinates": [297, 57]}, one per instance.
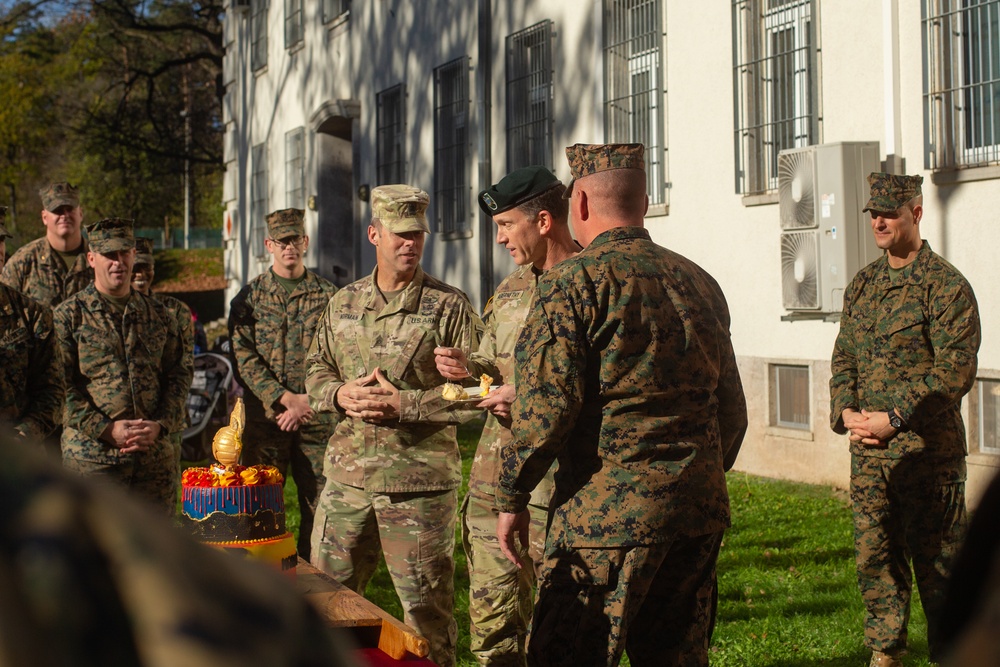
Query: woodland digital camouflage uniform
{"type": "Point", "coordinates": [643, 421]}
{"type": "Point", "coordinates": [413, 464]}
{"type": "Point", "coordinates": [127, 366]}
{"type": "Point", "coordinates": [909, 344]}
{"type": "Point", "coordinates": [37, 270]}
{"type": "Point", "coordinates": [89, 578]}
{"type": "Point", "coordinates": [270, 331]}
{"type": "Point", "coordinates": [31, 391]}
{"type": "Point", "coordinates": [501, 595]}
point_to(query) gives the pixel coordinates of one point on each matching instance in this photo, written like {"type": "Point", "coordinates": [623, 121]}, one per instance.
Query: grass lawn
{"type": "Point", "coordinates": [787, 592]}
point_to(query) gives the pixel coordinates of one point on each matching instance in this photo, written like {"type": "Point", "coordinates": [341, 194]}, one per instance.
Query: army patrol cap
{"type": "Point", "coordinates": [285, 223]}
{"type": "Point", "coordinates": [143, 250]}
{"type": "Point", "coordinates": [55, 195]}
{"type": "Point", "coordinates": [516, 188]}
{"type": "Point", "coordinates": [4, 234]}
{"type": "Point", "coordinates": [587, 159]}
{"type": "Point", "coordinates": [401, 208]}
{"type": "Point", "coordinates": [890, 191]}
{"type": "Point", "coordinates": [110, 235]}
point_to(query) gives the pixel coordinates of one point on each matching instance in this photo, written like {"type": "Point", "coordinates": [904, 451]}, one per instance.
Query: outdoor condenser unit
{"type": "Point", "coordinates": [825, 238]}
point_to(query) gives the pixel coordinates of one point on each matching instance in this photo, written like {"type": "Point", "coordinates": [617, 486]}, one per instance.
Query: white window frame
{"type": "Point", "coordinates": [780, 400]}
{"type": "Point", "coordinates": [259, 208]}
{"type": "Point", "coordinates": [258, 33]}
{"type": "Point", "coordinates": [295, 168]}
{"type": "Point", "coordinates": [987, 397]}
{"type": "Point", "coordinates": [294, 23]}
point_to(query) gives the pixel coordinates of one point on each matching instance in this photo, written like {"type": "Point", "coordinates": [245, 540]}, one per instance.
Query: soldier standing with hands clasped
{"type": "Point", "coordinates": [905, 356]}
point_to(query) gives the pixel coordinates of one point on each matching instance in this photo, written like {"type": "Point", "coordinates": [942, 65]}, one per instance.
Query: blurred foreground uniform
{"type": "Point", "coordinates": [89, 578]}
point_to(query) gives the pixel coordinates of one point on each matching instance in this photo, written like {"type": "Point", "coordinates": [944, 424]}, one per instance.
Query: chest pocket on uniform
{"type": "Point", "coordinates": [907, 330]}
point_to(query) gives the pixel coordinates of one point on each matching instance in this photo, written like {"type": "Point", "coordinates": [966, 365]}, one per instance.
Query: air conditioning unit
{"type": "Point", "coordinates": [825, 238]}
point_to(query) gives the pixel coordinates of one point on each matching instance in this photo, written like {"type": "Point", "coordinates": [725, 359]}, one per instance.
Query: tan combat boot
{"type": "Point", "coordinates": [880, 659]}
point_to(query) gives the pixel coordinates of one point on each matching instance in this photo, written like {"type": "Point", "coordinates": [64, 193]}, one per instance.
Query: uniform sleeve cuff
{"type": "Point", "coordinates": [510, 502]}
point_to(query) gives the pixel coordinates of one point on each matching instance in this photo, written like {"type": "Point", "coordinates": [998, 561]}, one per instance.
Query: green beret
{"type": "Point", "coordinates": [516, 188]}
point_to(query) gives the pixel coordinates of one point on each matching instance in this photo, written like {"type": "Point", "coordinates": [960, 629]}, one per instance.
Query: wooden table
{"type": "Point", "coordinates": [371, 626]}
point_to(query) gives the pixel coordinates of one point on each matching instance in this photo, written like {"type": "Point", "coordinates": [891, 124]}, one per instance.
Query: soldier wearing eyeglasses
{"type": "Point", "coordinates": [271, 324]}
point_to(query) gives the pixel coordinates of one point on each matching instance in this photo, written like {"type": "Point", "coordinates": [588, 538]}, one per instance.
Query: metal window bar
{"type": "Point", "coordinates": [529, 97]}
{"type": "Point", "coordinates": [258, 34]}
{"type": "Point", "coordinates": [989, 416]}
{"type": "Point", "coordinates": [390, 123]}
{"type": "Point", "coordinates": [258, 207]}
{"type": "Point", "coordinates": [634, 94]}
{"type": "Point", "coordinates": [334, 8]}
{"type": "Point", "coordinates": [775, 91]}
{"type": "Point", "coordinates": [295, 169]}
{"type": "Point", "coordinates": [294, 28]}
{"type": "Point", "coordinates": [961, 40]}
{"type": "Point", "coordinates": [791, 393]}
{"type": "Point", "coordinates": [451, 146]}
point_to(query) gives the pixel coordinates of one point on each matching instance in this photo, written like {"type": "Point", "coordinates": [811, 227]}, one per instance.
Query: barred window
{"type": "Point", "coordinates": [634, 94]}
{"type": "Point", "coordinates": [529, 97]}
{"type": "Point", "coordinates": [451, 147]}
{"type": "Point", "coordinates": [258, 33]}
{"type": "Point", "coordinates": [775, 60]}
{"type": "Point", "coordinates": [294, 28]}
{"type": "Point", "coordinates": [334, 8]}
{"type": "Point", "coordinates": [259, 206]}
{"type": "Point", "coordinates": [390, 128]}
{"type": "Point", "coordinates": [988, 398]}
{"type": "Point", "coordinates": [961, 83]}
{"type": "Point", "coordinates": [789, 396]}
{"type": "Point", "coordinates": [295, 169]}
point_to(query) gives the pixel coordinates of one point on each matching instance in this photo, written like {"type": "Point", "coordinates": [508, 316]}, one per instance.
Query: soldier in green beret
{"type": "Point", "coordinates": [125, 372]}
{"type": "Point", "coordinates": [54, 267]}
{"type": "Point", "coordinates": [271, 325]}
{"type": "Point", "coordinates": [532, 223]}
{"type": "Point", "coordinates": [393, 466]}
{"type": "Point", "coordinates": [143, 273]}
{"type": "Point", "coordinates": [905, 356]}
{"type": "Point", "coordinates": [626, 376]}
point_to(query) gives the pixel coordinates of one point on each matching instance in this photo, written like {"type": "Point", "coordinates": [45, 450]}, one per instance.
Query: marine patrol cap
{"type": "Point", "coordinates": [285, 223]}
{"type": "Point", "coordinates": [890, 191]}
{"type": "Point", "coordinates": [4, 234]}
{"type": "Point", "coordinates": [516, 188]}
{"type": "Point", "coordinates": [55, 195]}
{"type": "Point", "coordinates": [110, 235]}
{"type": "Point", "coordinates": [401, 208]}
{"type": "Point", "coordinates": [587, 159]}
{"type": "Point", "coordinates": [143, 250]}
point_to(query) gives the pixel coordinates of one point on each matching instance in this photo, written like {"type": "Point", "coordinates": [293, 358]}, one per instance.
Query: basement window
{"type": "Point", "coordinates": [789, 396]}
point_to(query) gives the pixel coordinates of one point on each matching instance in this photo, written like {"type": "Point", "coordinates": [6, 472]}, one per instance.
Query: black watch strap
{"type": "Point", "coordinates": [896, 421]}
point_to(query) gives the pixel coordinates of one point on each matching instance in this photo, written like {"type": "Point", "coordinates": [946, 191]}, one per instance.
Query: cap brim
{"type": "Point", "coordinates": [407, 225]}
{"type": "Point", "coordinates": [116, 245]}
{"type": "Point", "coordinates": [53, 206]}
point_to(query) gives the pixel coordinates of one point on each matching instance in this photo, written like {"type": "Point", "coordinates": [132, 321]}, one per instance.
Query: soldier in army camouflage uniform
{"type": "Point", "coordinates": [91, 579]}
{"type": "Point", "coordinates": [271, 325]}
{"type": "Point", "coordinates": [626, 376]}
{"type": "Point", "coordinates": [531, 218]}
{"type": "Point", "coordinates": [31, 391]}
{"type": "Point", "coordinates": [143, 272]}
{"type": "Point", "coordinates": [4, 235]}
{"type": "Point", "coordinates": [54, 267]}
{"type": "Point", "coordinates": [904, 358]}
{"type": "Point", "coordinates": [393, 467]}
{"type": "Point", "coordinates": [125, 373]}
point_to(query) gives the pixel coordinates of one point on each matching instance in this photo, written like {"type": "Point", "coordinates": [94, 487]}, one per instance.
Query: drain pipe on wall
{"type": "Point", "coordinates": [894, 162]}
{"type": "Point", "coordinates": [485, 58]}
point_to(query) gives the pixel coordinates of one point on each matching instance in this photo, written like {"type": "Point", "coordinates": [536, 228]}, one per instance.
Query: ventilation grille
{"type": "Point", "coordinates": [796, 190]}
{"type": "Point", "coordinates": [799, 266]}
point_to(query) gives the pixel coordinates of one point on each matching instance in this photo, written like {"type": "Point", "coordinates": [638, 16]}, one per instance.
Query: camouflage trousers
{"type": "Point", "coordinates": [905, 510]}
{"type": "Point", "coordinates": [655, 603]}
{"type": "Point", "coordinates": [153, 475]}
{"type": "Point", "coordinates": [416, 535]}
{"type": "Point", "coordinates": [299, 454]}
{"type": "Point", "coordinates": [501, 596]}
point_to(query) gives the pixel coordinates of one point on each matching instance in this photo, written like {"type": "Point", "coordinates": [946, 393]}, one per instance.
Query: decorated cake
{"type": "Point", "coordinates": [238, 508]}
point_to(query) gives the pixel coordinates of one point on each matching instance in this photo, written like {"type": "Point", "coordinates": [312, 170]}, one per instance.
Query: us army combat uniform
{"type": "Point", "coordinates": [501, 595]}
{"type": "Point", "coordinates": [626, 376]}
{"type": "Point", "coordinates": [127, 366]}
{"type": "Point", "coordinates": [406, 473]}
{"type": "Point", "coordinates": [31, 391]}
{"type": "Point", "coordinates": [271, 331]}
{"type": "Point", "coordinates": [909, 344]}
{"type": "Point", "coordinates": [89, 578]}
{"type": "Point", "coordinates": [38, 271]}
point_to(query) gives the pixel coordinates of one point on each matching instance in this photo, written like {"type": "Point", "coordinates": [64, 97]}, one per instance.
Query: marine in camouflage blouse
{"type": "Point", "coordinates": [38, 271]}
{"type": "Point", "coordinates": [626, 375]}
{"type": "Point", "coordinates": [909, 344]}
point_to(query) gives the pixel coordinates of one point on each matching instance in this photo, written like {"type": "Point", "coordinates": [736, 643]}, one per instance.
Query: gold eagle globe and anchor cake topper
{"type": "Point", "coordinates": [228, 441]}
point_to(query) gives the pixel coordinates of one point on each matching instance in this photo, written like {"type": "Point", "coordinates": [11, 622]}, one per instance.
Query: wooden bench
{"type": "Point", "coordinates": [372, 626]}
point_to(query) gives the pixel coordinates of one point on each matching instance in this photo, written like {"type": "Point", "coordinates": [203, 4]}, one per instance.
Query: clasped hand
{"type": "Point", "coordinates": [871, 429]}
{"type": "Point", "coordinates": [371, 398]}
{"type": "Point", "coordinates": [132, 435]}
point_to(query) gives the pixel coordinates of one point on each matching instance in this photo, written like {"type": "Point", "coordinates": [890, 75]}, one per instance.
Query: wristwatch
{"type": "Point", "coordinates": [896, 421]}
